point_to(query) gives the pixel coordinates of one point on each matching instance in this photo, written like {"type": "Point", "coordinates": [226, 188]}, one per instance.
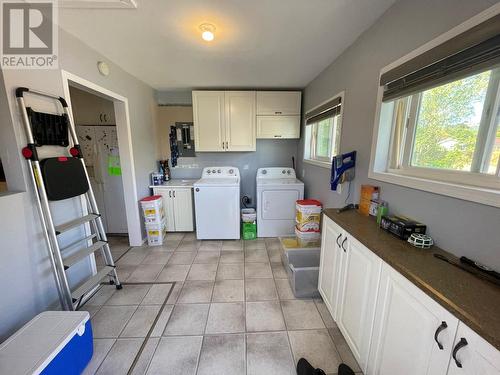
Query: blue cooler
{"type": "Point", "coordinates": [53, 342]}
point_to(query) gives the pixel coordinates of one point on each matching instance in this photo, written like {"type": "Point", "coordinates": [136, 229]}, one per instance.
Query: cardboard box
{"type": "Point", "coordinates": [368, 194]}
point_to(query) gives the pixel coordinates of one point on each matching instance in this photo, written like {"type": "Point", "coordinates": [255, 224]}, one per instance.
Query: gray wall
{"type": "Point", "coordinates": [461, 227]}
{"type": "Point", "coordinates": [178, 97]}
{"type": "Point", "coordinates": [270, 153]}
{"type": "Point", "coordinates": [25, 273]}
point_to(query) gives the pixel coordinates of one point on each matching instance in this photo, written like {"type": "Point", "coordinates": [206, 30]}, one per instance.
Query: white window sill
{"type": "Point", "coordinates": [490, 197]}
{"type": "Point", "coordinates": [318, 163]}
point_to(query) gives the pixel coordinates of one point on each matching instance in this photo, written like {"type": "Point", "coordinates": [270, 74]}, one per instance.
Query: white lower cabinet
{"type": "Point", "coordinates": [330, 263]}
{"type": "Point", "coordinates": [413, 335]}
{"type": "Point", "coordinates": [472, 355]}
{"type": "Point", "coordinates": [358, 294]}
{"type": "Point", "coordinates": [178, 206]}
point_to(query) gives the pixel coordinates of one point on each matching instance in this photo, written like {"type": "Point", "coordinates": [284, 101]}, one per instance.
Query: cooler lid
{"type": "Point", "coordinates": [309, 202]}
{"type": "Point", "coordinates": [151, 198]}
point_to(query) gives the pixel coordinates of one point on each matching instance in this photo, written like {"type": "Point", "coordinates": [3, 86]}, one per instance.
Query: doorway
{"type": "Point", "coordinates": [115, 158]}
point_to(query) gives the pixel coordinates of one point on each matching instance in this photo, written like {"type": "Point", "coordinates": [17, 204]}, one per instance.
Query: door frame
{"type": "Point", "coordinates": [123, 131]}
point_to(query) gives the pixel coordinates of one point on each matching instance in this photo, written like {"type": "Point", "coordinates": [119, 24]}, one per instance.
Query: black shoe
{"type": "Point", "coordinates": [345, 370]}
{"type": "Point", "coordinates": [305, 368]}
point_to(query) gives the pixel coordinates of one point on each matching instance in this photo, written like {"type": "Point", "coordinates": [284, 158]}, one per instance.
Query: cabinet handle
{"type": "Point", "coordinates": [223, 145]}
{"type": "Point", "coordinates": [442, 327]}
{"type": "Point", "coordinates": [277, 136]}
{"type": "Point", "coordinates": [100, 117]}
{"type": "Point", "coordinates": [277, 113]}
{"type": "Point", "coordinates": [463, 342]}
{"type": "Point", "coordinates": [227, 147]}
{"type": "Point", "coordinates": [338, 238]}
{"type": "Point", "coordinates": [174, 193]}
{"type": "Point", "coordinates": [170, 193]}
{"type": "Point", "coordinates": [343, 242]}
{"type": "Point", "coordinates": [105, 118]}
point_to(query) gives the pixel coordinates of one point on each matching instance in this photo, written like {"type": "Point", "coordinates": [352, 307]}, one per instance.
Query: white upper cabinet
{"type": "Point", "coordinates": [278, 103]}
{"type": "Point", "coordinates": [472, 355]}
{"type": "Point", "coordinates": [209, 120]}
{"type": "Point", "coordinates": [240, 120]}
{"type": "Point", "coordinates": [413, 335]}
{"type": "Point", "coordinates": [224, 120]}
{"type": "Point", "coordinates": [277, 127]}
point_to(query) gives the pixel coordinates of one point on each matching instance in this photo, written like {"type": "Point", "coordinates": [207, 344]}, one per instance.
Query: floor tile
{"type": "Point", "coordinates": [162, 321]}
{"type": "Point", "coordinates": [284, 290]}
{"type": "Point", "coordinates": [222, 355]}
{"type": "Point", "coordinates": [189, 236]}
{"type": "Point", "coordinates": [157, 257]}
{"type": "Point", "coordinates": [174, 295]}
{"type": "Point", "coordinates": [231, 271]}
{"type": "Point", "coordinates": [232, 257]}
{"type": "Point", "coordinates": [144, 359]}
{"type": "Point", "coordinates": [174, 272]}
{"type": "Point", "coordinates": [188, 319]}
{"type": "Point", "coordinates": [101, 349]}
{"type": "Point", "coordinates": [229, 291]}
{"type": "Point", "coordinates": [129, 295]}
{"type": "Point", "coordinates": [175, 236]}
{"type": "Point", "coordinates": [258, 271]}
{"type": "Point", "coordinates": [210, 245]}
{"type": "Point", "coordinates": [202, 272]}
{"type": "Point", "coordinates": [141, 321]}
{"type": "Point", "coordinates": [259, 256]}
{"type": "Point", "coordinates": [176, 355]}
{"type": "Point", "coordinates": [189, 246]}
{"type": "Point", "coordinates": [196, 292]}
{"type": "Point", "coordinates": [279, 271]}
{"type": "Point", "coordinates": [124, 271]}
{"type": "Point", "coordinates": [269, 353]}
{"type": "Point", "coordinates": [264, 316]}
{"type": "Point", "coordinates": [184, 257]}
{"type": "Point", "coordinates": [120, 357]}
{"type": "Point", "coordinates": [102, 296]}
{"type": "Point", "coordinates": [145, 273]}
{"type": "Point", "coordinates": [317, 347]}
{"type": "Point", "coordinates": [325, 314]}
{"type": "Point", "coordinates": [232, 245]}
{"type": "Point", "coordinates": [260, 290]}
{"type": "Point", "coordinates": [157, 294]}
{"type": "Point", "coordinates": [258, 244]}
{"type": "Point", "coordinates": [170, 245]}
{"type": "Point", "coordinates": [207, 257]}
{"type": "Point", "coordinates": [343, 349]}
{"type": "Point", "coordinates": [226, 318]}
{"type": "Point", "coordinates": [301, 315]}
{"type": "Point", "coordinates": [92, 310]}
{"type": "Point", "coordinates": [110, 320]}
{"type": "Point", "coordinates": [274, 255]}
{"type": "Point", "coordinates": [133, 257]}
{"type": "Point", "coordinates": [273, 243]}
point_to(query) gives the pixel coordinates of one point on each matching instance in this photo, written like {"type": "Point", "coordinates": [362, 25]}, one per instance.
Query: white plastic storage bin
{"type": "Point", "coordinates": [156, 233]}
{"type": "Point", "coordinates": [301, 262]}
{"type": "Point", "coordinates": [52, 343]}
{"type": "Point", "coordinates": [152, 209]}
{"type": "Point", "coordinates": [310, 236]}
{"type": "Point", "coordinates": [248, 215]}
{"type": "Point", "coordinates": [308, 214]}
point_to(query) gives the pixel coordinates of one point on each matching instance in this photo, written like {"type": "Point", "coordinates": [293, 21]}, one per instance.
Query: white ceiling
{"type": "Point", "coordinates": [258, 43]}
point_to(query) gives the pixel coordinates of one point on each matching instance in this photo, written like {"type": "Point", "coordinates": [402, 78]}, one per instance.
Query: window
{"type": "Point", "coordinates": [438, 124]}
{"type": "Point", "coordinates": [322, 133]}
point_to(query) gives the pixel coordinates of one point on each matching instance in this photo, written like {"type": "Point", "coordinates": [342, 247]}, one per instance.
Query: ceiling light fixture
{"type": "Point", "coordinates": [207, 31]}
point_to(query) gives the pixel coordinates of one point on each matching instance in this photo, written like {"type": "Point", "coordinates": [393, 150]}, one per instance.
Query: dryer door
{"type": "Point", "coordinates": [279, 204]}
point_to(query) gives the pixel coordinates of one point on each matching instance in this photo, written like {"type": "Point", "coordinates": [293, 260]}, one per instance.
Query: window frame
{"type": "Point", "coordinates": [336, 138]}
{"type": "Point", "coordinates": [470, 186]}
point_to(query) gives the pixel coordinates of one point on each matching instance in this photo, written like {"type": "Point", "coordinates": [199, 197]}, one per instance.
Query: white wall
{"type": "Point", "coordinates": [461, 227]}
{"type": "Point", "coordinates": [25, 274]}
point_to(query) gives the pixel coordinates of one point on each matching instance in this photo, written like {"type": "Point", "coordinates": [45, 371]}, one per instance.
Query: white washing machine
{"type": "Point", "coordinates": [277, 191]}
{"type": "Point", "coordinates": [217, 204]}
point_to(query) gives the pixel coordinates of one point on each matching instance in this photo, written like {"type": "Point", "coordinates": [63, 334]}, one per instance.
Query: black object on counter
{"type": "Point", "coordinates": [480, 267]}
{"type": "Point", "coordinates": [350, 206]}
{"type": "Point", "coordinates": [465, 268]}
{"type": "Point", "coordinates": [402, 226]}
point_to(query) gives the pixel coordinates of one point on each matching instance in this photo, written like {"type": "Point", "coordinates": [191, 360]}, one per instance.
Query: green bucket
{"type": "Point", "coordinates": [249, 231]}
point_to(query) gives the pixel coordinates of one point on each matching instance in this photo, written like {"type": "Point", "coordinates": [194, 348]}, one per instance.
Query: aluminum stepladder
{"type": "Point", "coordinates": [50, 130]}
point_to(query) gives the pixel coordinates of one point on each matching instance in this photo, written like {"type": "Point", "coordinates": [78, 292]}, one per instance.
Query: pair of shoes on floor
{"type": "Point", "coordinates": [305, 368]}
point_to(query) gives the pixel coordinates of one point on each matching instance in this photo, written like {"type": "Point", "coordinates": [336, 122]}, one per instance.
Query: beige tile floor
{"type": "Point", "coordinates": [230, 311]}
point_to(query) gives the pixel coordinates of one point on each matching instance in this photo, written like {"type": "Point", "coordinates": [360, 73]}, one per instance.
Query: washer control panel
{"type": "Point", "coordinates": [216, 172]}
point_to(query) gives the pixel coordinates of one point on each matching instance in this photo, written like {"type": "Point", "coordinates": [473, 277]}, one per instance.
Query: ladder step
{"type": "Point", "coordinates": [74, 223]}
{"type": "Point", "coordinates": [82, 253]}
{"type": "Point", "coordinates": [88, 285]}
{"type": "Point", "coordinates": [88, 238]}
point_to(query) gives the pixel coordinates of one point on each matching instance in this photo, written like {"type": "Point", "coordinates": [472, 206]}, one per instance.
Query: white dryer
{"type": "Point", "coordinates": [277, 191]}
{"type": "Point", "coordinates": [217, 204]}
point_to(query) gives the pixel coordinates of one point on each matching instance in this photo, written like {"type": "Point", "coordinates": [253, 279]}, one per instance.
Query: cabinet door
{"type": "Point", "coordinates": [358, 295]}
{"type": "Point", "coordinates": [278, 102]}
{"type": "Point", "coordinates": [329, 265]}
{"type": "Point", "coordinates": [107, 113]}
{"type": "Point", "coordinates": [407, 329]}
{"type": "Point", "coordinates": [208, 117]}
{"type": "Point", "coordinates": [168, 206]}
{"type": "Point", "coordinates": [240, 120]}
{"type": "Point", "coordinates": [183, 210]}
{"type": "Point", "coordinates": [474, 354]}
{"type": "Point", "coordinates": [278, 127]}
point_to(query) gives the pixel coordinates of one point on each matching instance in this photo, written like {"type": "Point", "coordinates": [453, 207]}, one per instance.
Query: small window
{"type": "Point", "coordinates": [322, 132]}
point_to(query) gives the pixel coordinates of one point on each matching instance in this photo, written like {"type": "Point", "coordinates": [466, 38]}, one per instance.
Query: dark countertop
{"type": "Point", "coordinates": [474, 301]}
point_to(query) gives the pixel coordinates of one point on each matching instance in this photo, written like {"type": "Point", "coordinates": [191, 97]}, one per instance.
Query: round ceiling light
{"type": "Point", "coordinates": [207, 31]}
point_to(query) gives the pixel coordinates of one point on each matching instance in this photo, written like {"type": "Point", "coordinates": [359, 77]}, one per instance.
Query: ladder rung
{"type": "Point", "coordinates": [88, 238]}
{"type": "Point", "coordinates": [88, 285]}
{"type": "Point", "coordinates": [82, 253]}
{"type": "Point", "coordinates": [74, 223]}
